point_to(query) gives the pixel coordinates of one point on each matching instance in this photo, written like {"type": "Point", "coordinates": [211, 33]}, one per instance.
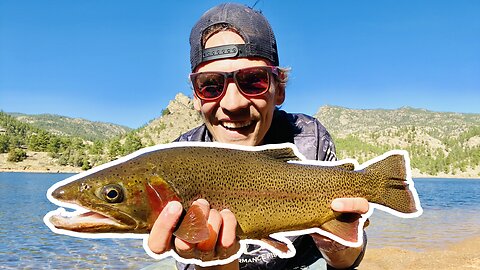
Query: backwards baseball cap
{"type": "Point", "coordinates": [250, 24]}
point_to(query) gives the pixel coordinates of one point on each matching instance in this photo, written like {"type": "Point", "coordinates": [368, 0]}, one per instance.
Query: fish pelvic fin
{"type": "Point", "coordinates": [344, 225]}
{"type": "Point", "coordinates": [396, 189]}
{"type": "Point", "coordinates": [194, 226]}
{"type": "Point", "coordinates": [276, 244]}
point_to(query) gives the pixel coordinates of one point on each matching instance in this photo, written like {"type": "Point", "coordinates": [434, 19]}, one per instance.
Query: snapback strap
{"type": "Point", "coordinates": [224, 51]}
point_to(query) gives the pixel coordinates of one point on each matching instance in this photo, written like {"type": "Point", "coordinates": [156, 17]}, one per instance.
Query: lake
{"type": "Point", "coordinates": [451, 208]}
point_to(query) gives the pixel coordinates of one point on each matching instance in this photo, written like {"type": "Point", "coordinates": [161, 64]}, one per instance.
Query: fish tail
{"type": "Point", "coordinates": [389, 185]}
{"type": "Point", "coordinates": [395, 187]}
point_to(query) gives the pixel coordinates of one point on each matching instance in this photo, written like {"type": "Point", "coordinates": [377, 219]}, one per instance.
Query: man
{"type": "Point", "coordinates": [237, 88]}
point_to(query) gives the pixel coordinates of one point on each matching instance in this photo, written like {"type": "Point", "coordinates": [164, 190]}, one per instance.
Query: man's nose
{"type": "Point", "coordinates": [233, 100]}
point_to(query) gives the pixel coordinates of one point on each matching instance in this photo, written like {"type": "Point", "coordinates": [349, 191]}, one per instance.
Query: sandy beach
{"type": "Point", "coordinates": [462, 255]}
{"type": "Point", "coordinates": [36, 162]}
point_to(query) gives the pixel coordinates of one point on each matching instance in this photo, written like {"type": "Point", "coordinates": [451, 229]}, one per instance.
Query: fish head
{"type": "Point", "coordinates": [122, 198]}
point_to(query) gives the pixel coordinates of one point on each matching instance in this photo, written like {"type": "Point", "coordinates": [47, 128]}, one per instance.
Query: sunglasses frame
{"type": "Point", "coordinates": [231, 76]}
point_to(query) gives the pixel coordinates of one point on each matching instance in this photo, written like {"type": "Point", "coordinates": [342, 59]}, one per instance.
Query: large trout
{"type": "Point", "coordinates": [270, 189]}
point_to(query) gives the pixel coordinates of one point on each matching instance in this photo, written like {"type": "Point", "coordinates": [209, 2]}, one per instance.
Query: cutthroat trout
{"type": "Point", "coordinates": [270, 189]}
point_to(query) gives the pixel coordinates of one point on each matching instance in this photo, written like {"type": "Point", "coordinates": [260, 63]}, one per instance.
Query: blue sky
{"type": "Point", "coordinates": [123, 61]}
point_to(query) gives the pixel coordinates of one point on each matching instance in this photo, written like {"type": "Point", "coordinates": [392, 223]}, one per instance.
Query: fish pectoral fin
{"type": "Point", "coordinates": [344, 226]}
{"type": "Point", "coordinates": [194, 226]}
{"type": "Point", "coordinates": [279, 245]}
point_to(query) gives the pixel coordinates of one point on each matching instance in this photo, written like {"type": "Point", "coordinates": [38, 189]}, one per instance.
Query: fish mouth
{"type": "Point", "coordinates": [92, 221]}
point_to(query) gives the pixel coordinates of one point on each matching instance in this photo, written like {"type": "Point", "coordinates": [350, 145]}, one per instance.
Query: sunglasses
{"type": "Point", "coordinates": [251, 82]}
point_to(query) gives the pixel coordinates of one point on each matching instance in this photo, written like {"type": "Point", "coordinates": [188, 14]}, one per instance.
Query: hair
{"type": "Point", "coordinates": [283, 76]}
{"type": "Point", "coordinates": [216, 28]}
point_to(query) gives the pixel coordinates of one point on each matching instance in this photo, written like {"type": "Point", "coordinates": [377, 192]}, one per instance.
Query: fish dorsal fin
{"type": "Point", "coordinates": [346, 166]}
{"type": "Point", "coordinates": [284, 154]}
{"type": "Point", "coordinates": [193, 228]}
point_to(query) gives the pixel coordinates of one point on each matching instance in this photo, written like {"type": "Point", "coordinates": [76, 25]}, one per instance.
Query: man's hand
{"type": "Point", "coordinates": [336, 254]}
{"type": "Point", "coordinates": [222, 242]}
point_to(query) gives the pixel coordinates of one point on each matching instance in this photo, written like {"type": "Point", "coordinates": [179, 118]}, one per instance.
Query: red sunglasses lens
{"type": "Point", "coordinates": [253, 81]}
{"type": "Point", "coordinates": [209, 85]}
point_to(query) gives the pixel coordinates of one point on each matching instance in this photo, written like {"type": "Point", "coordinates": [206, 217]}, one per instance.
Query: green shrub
{"type": "Point", "coordinates": [16, 155]}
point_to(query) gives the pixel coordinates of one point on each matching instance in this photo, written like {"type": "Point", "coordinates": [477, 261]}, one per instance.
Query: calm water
{"type": "Point", "coordinates": [25, 242]}
{"type": "Point", "coordinates": [451, 208]}
{"type": "Point", "coordinates": [451, 214]}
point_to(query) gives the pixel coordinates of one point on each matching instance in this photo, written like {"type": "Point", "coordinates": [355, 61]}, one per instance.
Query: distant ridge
{"type": "Point", "coordinates": [75, 127]}
{"type": "Point", "coordinates": [343, 121]}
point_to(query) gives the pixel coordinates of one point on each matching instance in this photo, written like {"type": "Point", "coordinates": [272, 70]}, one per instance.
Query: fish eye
{"type": "Point", "coordinates": [113, 193]}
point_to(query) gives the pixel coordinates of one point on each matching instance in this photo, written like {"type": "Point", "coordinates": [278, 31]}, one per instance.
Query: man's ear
{"type": "Point", "coordinates": [197, 103]}
{"type": "Point", "coordinates": [280, 94]}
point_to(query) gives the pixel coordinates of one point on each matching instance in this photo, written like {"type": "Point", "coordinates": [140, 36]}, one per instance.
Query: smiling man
{"type": "Point", "coordinates": [233, 114]}
{"type": "Point", "coordinates": [238, 85]}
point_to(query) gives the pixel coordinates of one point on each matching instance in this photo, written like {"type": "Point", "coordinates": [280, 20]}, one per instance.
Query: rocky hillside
{"type": "Point", "coordinates": [75, 127]}
{"type": "Point", "coordinates": [178, 117]}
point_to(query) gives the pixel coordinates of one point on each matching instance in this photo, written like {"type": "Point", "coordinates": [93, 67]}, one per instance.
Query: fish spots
{"type": "Point", "coordinates": [259, 189]}
{"type": "Point", "coordinates": [84, 187]}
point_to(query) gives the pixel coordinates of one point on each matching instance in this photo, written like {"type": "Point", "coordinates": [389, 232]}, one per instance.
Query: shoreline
{"type": "Point", "coordinates": [58, 169]}
{"type": "Point", "coordinates": [36, 162]}
{"type": "Point", "coordinates": [2, 170]}
{"type": "Point", "coordinates": [69, 169]}
{"type": "Point", "coordinates": [40, 162]}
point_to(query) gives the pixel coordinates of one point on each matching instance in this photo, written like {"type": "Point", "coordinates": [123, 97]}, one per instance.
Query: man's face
{"type": "Point", "coordinates": [234, 118]}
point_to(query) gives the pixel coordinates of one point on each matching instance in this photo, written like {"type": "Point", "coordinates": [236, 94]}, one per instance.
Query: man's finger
{"type": "Point", "coordinates": [161, 234]}
{"type": "Point", "coordinates": [350, 205]}
{"type": "Point", "coordinates": [227, 240]}
{"type": "Point", "coordinates": [184, 249]}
